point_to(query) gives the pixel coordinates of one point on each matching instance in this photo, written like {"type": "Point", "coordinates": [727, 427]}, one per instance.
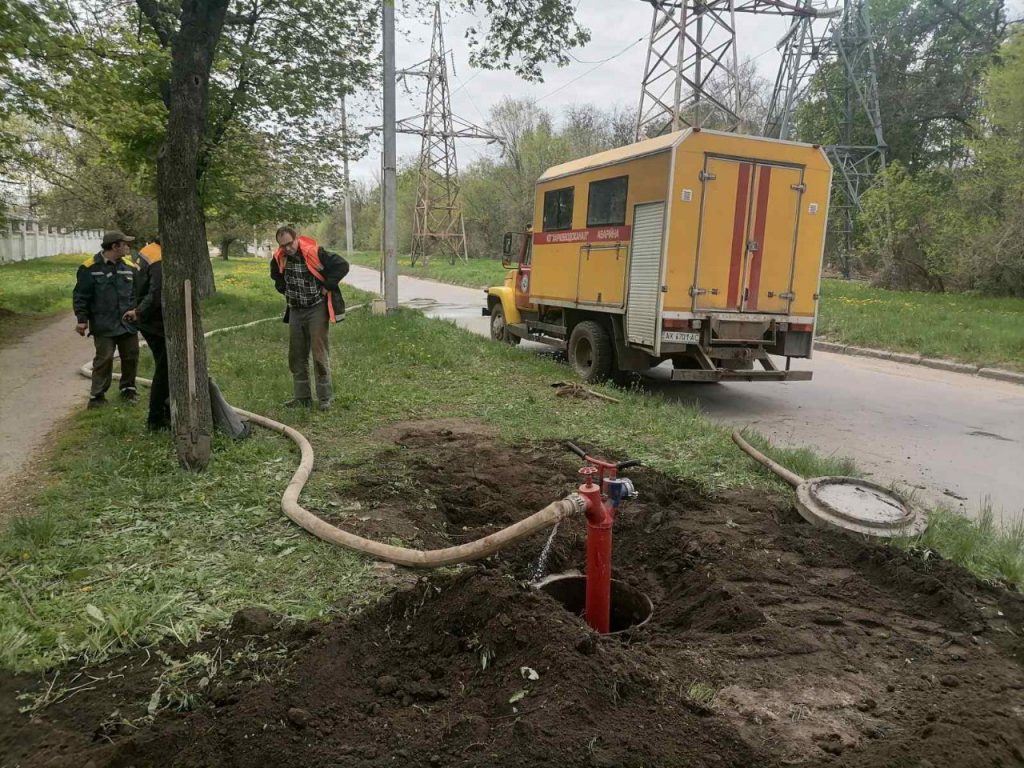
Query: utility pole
{"type": "Point", "coordinates": [348, 181]}
{"type": "Point", "coordinates": [439, 224]}
{"type": "Point", "coordinates": [390, 185]}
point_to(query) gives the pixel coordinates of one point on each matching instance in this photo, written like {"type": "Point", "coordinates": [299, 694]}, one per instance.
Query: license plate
{"type": "Point", "coordinates": [681, 337]}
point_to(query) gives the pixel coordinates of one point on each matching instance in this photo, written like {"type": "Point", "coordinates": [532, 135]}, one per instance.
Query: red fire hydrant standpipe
{"type": "Point", "coordinates": [603, 499]}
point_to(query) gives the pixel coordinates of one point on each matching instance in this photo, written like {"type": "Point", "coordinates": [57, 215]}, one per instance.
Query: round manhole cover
{"type": "Point", "coordinates": [857, 505]}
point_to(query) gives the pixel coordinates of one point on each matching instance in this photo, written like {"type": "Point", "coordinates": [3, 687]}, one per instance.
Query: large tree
{"type": "Point", "coordinates": [182, 79]}
{"type": "Point", "coordinates": [931, 56]}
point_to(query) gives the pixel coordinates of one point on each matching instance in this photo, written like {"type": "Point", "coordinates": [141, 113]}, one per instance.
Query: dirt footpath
{"type": "Point", "coordinates": [771, 644]}
{"type": "Point", "coordinates": [40, 385]}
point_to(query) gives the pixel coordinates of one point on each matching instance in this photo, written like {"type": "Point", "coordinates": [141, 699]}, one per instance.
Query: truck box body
{"type": "Point", "coordinates": [691, 233]}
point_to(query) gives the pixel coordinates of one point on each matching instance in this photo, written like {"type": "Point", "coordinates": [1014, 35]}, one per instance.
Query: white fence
{"type": "Point", "coordinates": [21, 240]}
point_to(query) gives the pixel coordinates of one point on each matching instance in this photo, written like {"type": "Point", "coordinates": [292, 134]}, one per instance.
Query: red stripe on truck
{"type": "Point", "coordinates": [763, 185]}
{"type": "Point", "coordinates": [738, 230]}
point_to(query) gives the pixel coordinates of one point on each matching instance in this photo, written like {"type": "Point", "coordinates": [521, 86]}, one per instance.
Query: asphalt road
{"type": "Point", "coordinates": [957, 439]}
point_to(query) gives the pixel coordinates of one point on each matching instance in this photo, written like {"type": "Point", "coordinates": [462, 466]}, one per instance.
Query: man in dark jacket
{"type": "Point", "coordinates": [308, 277]}
{"type": "Point", "coordinates": [104, 292]}
{"type": "Point", "coordinates": [148, 316]}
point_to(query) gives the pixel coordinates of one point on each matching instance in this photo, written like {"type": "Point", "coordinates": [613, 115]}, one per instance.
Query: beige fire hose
{"type": "Point", "coordinates": [413, 558]}
{"type": "Point", "coordinates": [790, 477]}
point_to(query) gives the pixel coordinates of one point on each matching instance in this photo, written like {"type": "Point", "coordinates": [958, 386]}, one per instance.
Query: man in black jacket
{"type": "Point", "coordinates": [308, 277]}
{"type": "Point", "coordinates": [104, 292]}
{"type": "Point", "coordinates": [148, 316]}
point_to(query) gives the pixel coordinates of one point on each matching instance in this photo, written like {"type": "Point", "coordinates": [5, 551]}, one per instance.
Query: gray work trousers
{"type": "Point", "coordinates": [307, 332]}
{"type": "Point", "coordinates": [127, 346]}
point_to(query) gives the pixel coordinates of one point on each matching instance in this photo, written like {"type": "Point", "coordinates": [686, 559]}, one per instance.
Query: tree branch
{"type": "Point", "coordinates": [153, 12]}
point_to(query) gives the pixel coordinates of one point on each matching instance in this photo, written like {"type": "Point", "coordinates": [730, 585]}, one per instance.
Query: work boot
{"type": "Point", "coordinates": [97, 402]}
{"type": "Point", "coordinates": [325, 405]}
{"type": "Point", "coordinates": [130, 395]}
{"type": "Point", "coordinates": [299, 402]}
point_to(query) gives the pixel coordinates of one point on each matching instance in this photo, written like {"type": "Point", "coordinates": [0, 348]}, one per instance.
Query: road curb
{"type": "Point", "coordinates": [998, 373]}
{"type": "Point", "coordinates": [952, 366]}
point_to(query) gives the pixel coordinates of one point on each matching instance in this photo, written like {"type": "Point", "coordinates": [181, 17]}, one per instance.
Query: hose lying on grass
{"type": "Point", "coordinates": [413, 558]}
{"type": "Point", "coordinates": [789, 476]}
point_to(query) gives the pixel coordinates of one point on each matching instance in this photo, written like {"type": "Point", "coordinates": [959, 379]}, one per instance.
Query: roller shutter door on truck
{"type": "Point", "coordinates": [645, 274]}
{"type": "Point", "coordinates": [747, 242]}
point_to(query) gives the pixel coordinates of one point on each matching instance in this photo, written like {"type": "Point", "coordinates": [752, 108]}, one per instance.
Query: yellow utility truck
{"type": "Point", "coordinates": [699, 247]}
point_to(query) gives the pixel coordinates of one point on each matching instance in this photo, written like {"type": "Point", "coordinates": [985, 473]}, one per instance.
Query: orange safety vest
{"type": "Point", "coordinates": [310, 250]}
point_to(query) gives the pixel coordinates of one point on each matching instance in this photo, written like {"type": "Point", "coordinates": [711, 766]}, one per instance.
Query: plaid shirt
{"type": "Point", "coordinates": [301, 289]}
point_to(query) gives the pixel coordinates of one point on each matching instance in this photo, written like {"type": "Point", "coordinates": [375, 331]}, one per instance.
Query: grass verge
{"type": "Point", "coordinates": [124, 549]}
{"type": "Point", "coordinates": [984, 331]}
{"type": "Point", "coordinates": [33, 291]}
{"type": "Point", "coordinates": [475, 273]}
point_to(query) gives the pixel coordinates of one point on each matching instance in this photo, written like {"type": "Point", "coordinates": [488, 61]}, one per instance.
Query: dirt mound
{"type": "Point", "coordinates": [772, 643]}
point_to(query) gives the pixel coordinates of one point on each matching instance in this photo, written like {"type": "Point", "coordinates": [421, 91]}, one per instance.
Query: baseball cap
{"type": "Point", "coordinates": [115, 236]}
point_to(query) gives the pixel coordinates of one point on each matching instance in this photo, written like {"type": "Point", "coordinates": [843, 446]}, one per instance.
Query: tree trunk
{"type": "Point", "coordinates": [225, 245]}
{"type": "Point", "coordinates": [183, 226]}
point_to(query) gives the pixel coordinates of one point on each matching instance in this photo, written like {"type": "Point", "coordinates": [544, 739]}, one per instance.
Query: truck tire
{"type": "Point", "coordinates": [590, 352]}
{"type": "Point", "coordinates": [499, 330]}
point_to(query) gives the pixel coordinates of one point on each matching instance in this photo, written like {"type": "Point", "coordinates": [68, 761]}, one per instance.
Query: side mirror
{"type": "Point", "coordinates": [506, 250]}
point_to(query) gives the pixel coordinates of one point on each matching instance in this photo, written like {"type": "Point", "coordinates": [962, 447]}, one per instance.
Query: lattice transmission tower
{"type": "Point", "coordinates": [859, 150]}
{"type": "Point", "coordinates": [691, 53]}
{"type": "Point", "coordinates": [438, 226]}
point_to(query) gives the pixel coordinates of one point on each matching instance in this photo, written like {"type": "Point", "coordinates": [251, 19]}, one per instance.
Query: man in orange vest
{"type": "Point", "coordinates": [308, 277]}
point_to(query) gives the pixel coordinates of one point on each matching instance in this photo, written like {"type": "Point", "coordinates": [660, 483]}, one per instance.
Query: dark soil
{"type": "Point", "coordinates": [772, 643]}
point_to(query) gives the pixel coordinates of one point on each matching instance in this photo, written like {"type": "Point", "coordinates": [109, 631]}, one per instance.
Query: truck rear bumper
{"type": "Point", "coordinates": [727, 375]}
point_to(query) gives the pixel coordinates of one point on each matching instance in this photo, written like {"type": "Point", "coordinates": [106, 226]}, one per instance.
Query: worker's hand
{"type": "Point", "coordinates": [324, 292]}
{"type": "Point", "coordinates": [81, 328]}
{"type": "Point", "coordinates": [131, 315]}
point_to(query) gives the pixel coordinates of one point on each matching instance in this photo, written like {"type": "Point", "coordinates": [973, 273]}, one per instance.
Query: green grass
{"type": "Point", "coordinates": [39, 286]}
{"type": "Point", "coordinates": [33, 291]}
{"type": "Point", "coordinates": [475, 273]}
{"type": "Point", "coordinates": [971, 329]}
{"type": "Point", "coordinates": [124, 548]}
{"type": "Point", "coordinates": [989, 548]}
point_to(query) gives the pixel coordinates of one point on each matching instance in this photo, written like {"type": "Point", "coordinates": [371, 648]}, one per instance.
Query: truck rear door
{"type": "Point", "coordinates": [747, 239]}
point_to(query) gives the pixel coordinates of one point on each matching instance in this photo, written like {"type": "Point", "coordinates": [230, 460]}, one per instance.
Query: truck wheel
{"type": "Point", "coordinates": [499, 331]}
{"type": "Point", "coordinates": [590, 351]}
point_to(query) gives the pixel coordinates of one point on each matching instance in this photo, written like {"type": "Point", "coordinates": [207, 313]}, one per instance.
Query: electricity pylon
{"type": "Point", "coordinates": [692, 48]}
{"type": "Point", "coordinates": [854, 163]}
{"type": "Point", "coordinates": [852, 99]}
{"type": "Point", "coordinates": [438, 222]}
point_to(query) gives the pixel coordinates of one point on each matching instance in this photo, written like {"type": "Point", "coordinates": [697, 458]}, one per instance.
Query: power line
{"type": "Point", "coordinates": [599, 65]}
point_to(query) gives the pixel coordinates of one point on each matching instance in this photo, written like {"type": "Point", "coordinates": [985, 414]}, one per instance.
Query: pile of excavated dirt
{"type": "Point", "coordinates": [771, 644]}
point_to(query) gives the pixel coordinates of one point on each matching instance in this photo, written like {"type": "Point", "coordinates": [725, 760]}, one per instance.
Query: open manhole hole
{"type": "Point", "coordinates": [630, 607]}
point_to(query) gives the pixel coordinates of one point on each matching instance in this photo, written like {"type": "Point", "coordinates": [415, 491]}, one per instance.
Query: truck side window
{"type": "Point", "coordinates": [607, 204]}
{"type": "Point", "coordinates": [558, 209]}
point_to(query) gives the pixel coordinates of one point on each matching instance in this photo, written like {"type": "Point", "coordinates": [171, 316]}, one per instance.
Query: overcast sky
{"type": "Point", "coordinates": [619, 31]}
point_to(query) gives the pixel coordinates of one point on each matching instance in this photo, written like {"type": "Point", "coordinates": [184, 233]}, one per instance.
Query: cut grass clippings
{"type": "Point", "coordinates": [981, 330]}
{"type": "Point", "coordinates": [125, 549]}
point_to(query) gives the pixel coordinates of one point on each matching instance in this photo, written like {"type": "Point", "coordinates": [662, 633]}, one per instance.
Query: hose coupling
{"type": "Point", "coordinates": [579, 504]}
